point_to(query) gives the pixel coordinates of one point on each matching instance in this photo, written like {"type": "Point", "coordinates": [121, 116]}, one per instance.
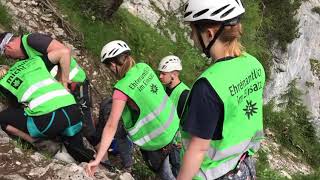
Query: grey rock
{"type": "Point", "coordinates": [39, 171]}
{"type": "Point", "coordinates": [126, 176]}
{"type": "Point", "coordinates": [45, 18]}
{"type": "Point", "coordinates": [16, 1]}
{"type": "Point", "coordinates": [296, 63]}
{"type": "Point", "coordinates": [59, 31]}
{"type": "Point", "coordinates": [4, 138]}
{"type": "Point", "coordinates": [12, 177]}
{"type": "Point", "coordinates": [37, 157]}
{"type": "Point", "coordinates": [32, 24]}
{"type": "Point", "coordinates": [18, 151]}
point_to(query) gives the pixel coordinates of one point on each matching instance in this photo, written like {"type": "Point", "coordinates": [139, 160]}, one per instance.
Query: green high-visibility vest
{"type": "Point", "coordinates": [158, 121]}
{"type": "Point", "coordinates": [76, 74]}
{"type": "Point", "coordinates": [176, 93]}
{"type": "Point", "coordinates": [175, 96]}
{"type": "Point", "coordinates": [239, 83]}
{"type": "Point", "coordinates": [32, 84]}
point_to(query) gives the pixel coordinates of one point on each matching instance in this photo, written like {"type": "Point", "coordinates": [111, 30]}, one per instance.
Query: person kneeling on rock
{"type": "Point", "coordinates": [49, 110]}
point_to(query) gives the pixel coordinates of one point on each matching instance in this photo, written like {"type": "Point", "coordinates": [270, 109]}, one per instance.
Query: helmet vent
{"type": "Point", "coordinates": [187, 14]}
{"type": "Point", "coordinates": [120, 44]}
{"type": "Point", "coordinates": [219, 10]}
{"type": "Point", "coordinates": [125, 45]}
{"type": "Point", "coordinates": [185, 7]}
{"type": "Point", "coordinates": [104, 55]}
{"type": "Point", "coordinates": [111, 51]}
{"type": "Point", "coordinates": [237, 2]}
{"type": "Point", "coordinates": [115, 52]}
{"type": "Point", "coordinates": [227, 13]}
{"type": "Point", "coordinates": [200, 13]}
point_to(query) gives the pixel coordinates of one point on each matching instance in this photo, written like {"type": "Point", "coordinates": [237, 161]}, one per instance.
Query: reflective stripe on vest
{"type": "Point", "coordinates": [219, 171]}
{"type": "Point", "coordinates": [149, 117]}
{"type": "Point", "coordinates": [158, 131]}
{"type": "Point", "coordinates": [217, 155]}
{"type": "Point", "coordinates": [157, 121]}
{"type": "Point", "coordinates": [74, 72]}
{"type": "Point", "coordinates": [35, 87]}
{"type": "Point", "coordinates": [46, 97]}
{"type": "Point", "coordinates": [244, 146]}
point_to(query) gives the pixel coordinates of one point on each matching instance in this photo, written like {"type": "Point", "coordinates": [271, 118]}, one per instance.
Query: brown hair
{"type": "Point", "coordinates": [230, 35]}
{"type": "Point", "coordinates": [126, 62]}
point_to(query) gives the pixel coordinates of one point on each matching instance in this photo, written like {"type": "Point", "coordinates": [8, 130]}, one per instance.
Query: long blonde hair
{"type": "Point", "coordinates": [126, 62]}
{"type": "Point", "coordinates": [3, 70]}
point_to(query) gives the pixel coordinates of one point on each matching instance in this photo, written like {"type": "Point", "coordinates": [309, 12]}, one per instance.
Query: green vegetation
{"type": "Point", "coordinates": [254, 39]}
{"type": "Point", "coordinates": [316, 10]}
{"type": "Point", "coordinates": [292, 126]}
{"type": "Point", "coordinates": [280, 25]}
{"type": "Point", "coordinates": [146, 43]}
{"type": "Point", "coordinates": [5, 19]}
{"type": "Point", "coordinates": [265, 22]}
{"type": "Point", "coordinates": [309, 84]}
{"type": "Point", "coordinates": [140, 169]}
{"type": "Point", "coordinates": [5, 23]}
{"type": "Point", "coordinates": [312, 176]}
{"type": "Point", "coordinates": [315, 67]}
{"type": "Point", "coordinates": [263, 168]}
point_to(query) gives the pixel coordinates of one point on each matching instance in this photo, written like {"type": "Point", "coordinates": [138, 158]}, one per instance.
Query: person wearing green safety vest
{"type": "Point", "coordinates": [44, 108]}
{"type": "Point", "coordinates": [148, 114]}
{"type": "Point", "coordinates": [37, 44]}
{"type": "Point", "coordinates": [222, 122]}
{"type": "Point", "coordinates": [169, 68]}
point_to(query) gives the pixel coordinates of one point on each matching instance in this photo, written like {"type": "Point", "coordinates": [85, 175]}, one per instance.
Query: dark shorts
{"type": "Point", "coordinates": [16, 117]}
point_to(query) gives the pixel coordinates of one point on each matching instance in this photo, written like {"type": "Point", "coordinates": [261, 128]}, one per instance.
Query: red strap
{"type": "Point", "coordinates": [73, 86]}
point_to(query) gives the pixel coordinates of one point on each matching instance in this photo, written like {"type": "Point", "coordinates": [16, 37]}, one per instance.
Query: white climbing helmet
{"type": "Point", "coordinates": [113, 49]}
{"type": "Point", "coordinates": [170, 63]}
{"type": "Point", "coordinates": [215, 10]}
{"type": "Point", "coordinates": [4, 41]}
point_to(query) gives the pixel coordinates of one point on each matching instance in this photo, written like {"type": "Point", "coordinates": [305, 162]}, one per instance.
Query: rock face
{"type": "Point", "coordinates": [295, 63]}
{"type": "Point", "coordinates": [148, 10]}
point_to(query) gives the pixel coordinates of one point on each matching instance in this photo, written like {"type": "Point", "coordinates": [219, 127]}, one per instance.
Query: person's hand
{"type": "Point", "coordinates": [65, 83]}
{"type": "Point", "coordinates": [92, 167]}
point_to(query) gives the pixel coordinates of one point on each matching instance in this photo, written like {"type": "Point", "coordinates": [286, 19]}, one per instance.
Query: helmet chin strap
{"type": "Point", "coordinates": [206, 50]}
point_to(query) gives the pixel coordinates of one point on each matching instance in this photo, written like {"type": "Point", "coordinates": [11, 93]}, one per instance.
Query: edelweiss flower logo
{"type": "Point", "coordinates": [16, 83]}
{"type": "Point", "coordinates": [250, 109]}
{"type": "Point", "coordinates": [154, 88]}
